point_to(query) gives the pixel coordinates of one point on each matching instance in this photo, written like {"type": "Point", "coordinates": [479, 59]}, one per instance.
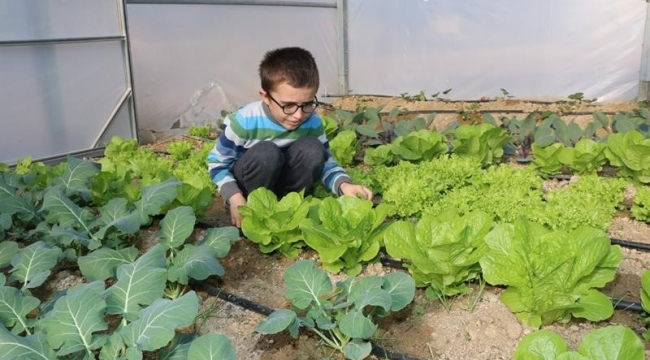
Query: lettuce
{"type": "Point", "coordinates": [483, 142]}
{"type": "Point", "coordinates": [420, 145]}
{"type": "Point", "coordinates": [441, 252]}
{"type": "Point", "coordinates": [273, 224]}
{"type": "Point", "coordinates": [551, 276]}
{"type": "Point", "coordinates": [346, 232]}
{"type": "Point", "coordinates": [630, 153]}
{"type": "Point", "coordinates": [608, 343]}
{"type": "Point", "coordinates": [641, 205]}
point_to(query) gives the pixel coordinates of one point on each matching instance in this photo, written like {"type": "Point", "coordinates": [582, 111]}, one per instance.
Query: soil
{"type": "Point", "coordinates": [424, 330]}
{"type": "Point", "coordinates": [475, 326]}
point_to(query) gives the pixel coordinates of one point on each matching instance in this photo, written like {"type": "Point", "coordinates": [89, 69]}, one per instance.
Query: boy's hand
{"type": "Point", "coordinates": [236, 200]}
{"type": "Point", "coordinates": [356, 190]}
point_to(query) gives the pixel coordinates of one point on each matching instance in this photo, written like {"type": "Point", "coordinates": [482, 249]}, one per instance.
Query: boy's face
{"type": "Point", "coordinates": [287, 96]}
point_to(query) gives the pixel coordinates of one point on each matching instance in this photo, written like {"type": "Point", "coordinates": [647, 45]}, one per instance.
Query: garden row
{"type": "Point", "coordinates": [504, 225]}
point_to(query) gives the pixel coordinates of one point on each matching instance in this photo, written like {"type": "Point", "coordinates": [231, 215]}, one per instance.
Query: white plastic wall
{"type": "Point", "coordinates": [192, 61]}
{"type": "Point", "coordinates": [533, 49]}
{"type": "Point", "coordinates": [59, 84]}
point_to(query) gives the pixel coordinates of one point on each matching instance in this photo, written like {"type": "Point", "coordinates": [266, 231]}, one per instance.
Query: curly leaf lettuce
{"type": "Point", "coordinates": [551, 276]}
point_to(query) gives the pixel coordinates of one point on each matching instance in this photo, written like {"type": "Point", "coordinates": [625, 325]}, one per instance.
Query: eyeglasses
{"type": "Point", "coordinates": [290, 109]}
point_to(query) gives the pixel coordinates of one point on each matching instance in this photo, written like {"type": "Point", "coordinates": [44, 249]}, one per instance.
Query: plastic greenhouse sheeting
{"type": "Point", "coordinates": [192, 61]}
{"type": "Point", "coordinates": [63, 75]}
{"type": "Point", "coordinates": [534, 49]}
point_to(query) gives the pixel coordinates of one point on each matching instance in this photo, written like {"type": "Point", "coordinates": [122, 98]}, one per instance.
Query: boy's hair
{"type": "Point", "coordinates": [293, 65]}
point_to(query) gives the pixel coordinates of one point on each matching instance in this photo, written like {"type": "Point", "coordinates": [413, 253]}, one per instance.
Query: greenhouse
{"type": "Point", "coordinates": [504, 148]}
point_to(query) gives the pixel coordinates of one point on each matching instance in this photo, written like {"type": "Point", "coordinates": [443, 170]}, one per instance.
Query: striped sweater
{"type": "Point", "coordinates": [252, 124]}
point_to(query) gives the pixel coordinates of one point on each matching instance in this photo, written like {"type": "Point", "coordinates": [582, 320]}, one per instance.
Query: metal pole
{"type": "Point", "coordinates": [129, 73]}
{"type": "Point", "coordinates": [644, 75]}
{"type": "Point", "coordinates": [342, 47]}
{"type": "Point", "coordinates": [326, 4]}
{"type": "Point", "coordinates": [125, 97]}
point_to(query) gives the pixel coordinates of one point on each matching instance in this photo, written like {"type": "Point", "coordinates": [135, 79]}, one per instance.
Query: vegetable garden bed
{"type": "Point", "coordinates": [138, 254]}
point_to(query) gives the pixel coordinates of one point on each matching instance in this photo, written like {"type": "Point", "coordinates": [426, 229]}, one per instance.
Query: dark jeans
{"type": "Point", "coordinates": [296, 168]}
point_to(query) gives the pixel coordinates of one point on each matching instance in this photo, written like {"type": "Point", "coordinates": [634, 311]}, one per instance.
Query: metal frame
{"type": "Point", "coordinates": [644, 73]}
{"type": "Point", "coordinates": [327, 4]}
{"type": "Point", "coordinates": [127, 98]}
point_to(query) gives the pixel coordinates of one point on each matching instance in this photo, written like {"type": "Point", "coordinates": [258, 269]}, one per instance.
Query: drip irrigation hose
{"type": "Point", "coordinates": [631, 244]}
{"type": "Point", "coordinates": [628, 305]}
{"type": "Point", "coordinates": [246, 304]}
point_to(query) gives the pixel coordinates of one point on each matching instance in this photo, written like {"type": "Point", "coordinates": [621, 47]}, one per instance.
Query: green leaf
{"type": "Point", "coordinates": [196, 262]}
{"type": "Point", "coordinates": [540, 345]}
{"type": "Point", "coordinates": [367, 130]}
{"type": "Point", "coordinates": [594, 306]}
{"type": "Point", "coordinates": [645, 291]}
{"type": "Point", "coordinates": [220, 239]}
{"type": "Point", "coordinates": [77, 176]}
{"type": "Point", "coordinates": [32, 264]}
{"type": "Point", "coordinates": [274, 224]}
{"type": "Point", "coordinates": [177, 226]}
{"type": "Point", "coordinates": [13, 347]}
{"type": "Point", "coordinates": [112, 349]}
{"type": "Point", "coordinates": [138, 284]}
{"type": "Point", "coordinates": [278, 320]}
{"type": "Point", "coordinates": [601, 118]}
{"type": "Point", "coordinates": [357, 349]}
{"type": "Point", "coordinates": [401, 288]}
{"type": "Point", "coordinates": [178, 348]}
{"type": "Point", "coordinates": [102, 263]}
{"type": "Point", "coordinates": [344, 146]}
{"type": "Point", "coordinates": [18, 204]}
{"type": "Point", "coordinates": [155, 197]}
{"type": "Point", "coordinates": [156, 323]}
{"type": "Point", "coordinates": [571, 355]}
{"type": "Point", "coordinates": [623, 125]}
{"type": "Point", "coordinates": [7, 251]}
{"type": "Point", "coordinates": [368, 291]}
{"type": "Point", "coordinates": [76, 316]}
{"type": "Point", "coordinates": [306, 283]}
{"type": "Point", "coordinates": [117, 214]}
{"type": "Point", "coordinates": [355, 325]}
{"type": "Point", "coordinates": [61, 210]}
{"type": "Point", "coordinates": [14, 307]}
{"type": "Point", "coordinates": [211, 347]}
{"type": "Point", "coordinates": [612, 343]}
{"type": "Point", "coordinates": [549, 278]}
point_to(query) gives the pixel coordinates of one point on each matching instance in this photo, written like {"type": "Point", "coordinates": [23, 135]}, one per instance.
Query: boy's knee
{"type": "Point", "coordinates": [310, 148]}
{"type": "Point", "coordinates": [267, 153]}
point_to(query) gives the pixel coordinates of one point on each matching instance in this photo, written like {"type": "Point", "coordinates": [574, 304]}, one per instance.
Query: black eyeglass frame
{"type": "Point", "coordinates": [302, 107]}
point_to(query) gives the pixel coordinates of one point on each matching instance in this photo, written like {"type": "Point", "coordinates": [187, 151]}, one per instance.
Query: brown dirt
{"type": "Point", "coordinates": [425, 329]}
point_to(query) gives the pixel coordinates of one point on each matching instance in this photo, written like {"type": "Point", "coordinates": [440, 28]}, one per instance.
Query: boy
{"type": "Point", "coordinates": [278, 142]}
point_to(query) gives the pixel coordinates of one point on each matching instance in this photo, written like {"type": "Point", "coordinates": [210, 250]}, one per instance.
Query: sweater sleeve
{"type": "Point", "coordinates": [333, 174]}
{"type": "Point", "coordinates": [227, 148]}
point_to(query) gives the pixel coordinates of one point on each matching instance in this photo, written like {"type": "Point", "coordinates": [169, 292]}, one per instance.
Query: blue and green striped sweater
{"type": "Point", "coordinates": [252, 124]}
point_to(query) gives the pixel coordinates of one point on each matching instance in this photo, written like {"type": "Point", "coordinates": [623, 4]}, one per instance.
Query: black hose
{"type": "Point", "coordinates": [266, 311]}
{"type": "Point", "coordinates": [384, 353]}
{"type": "Point", "coordinates": [628, 305]}
{"type": "Point", "coordinates": [631, 244]}
{"type": "Point", "coordinates": [239, 301]}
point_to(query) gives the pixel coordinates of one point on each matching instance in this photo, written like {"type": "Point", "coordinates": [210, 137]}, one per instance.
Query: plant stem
{"type": "Point", "coordinates": [330, 342]}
